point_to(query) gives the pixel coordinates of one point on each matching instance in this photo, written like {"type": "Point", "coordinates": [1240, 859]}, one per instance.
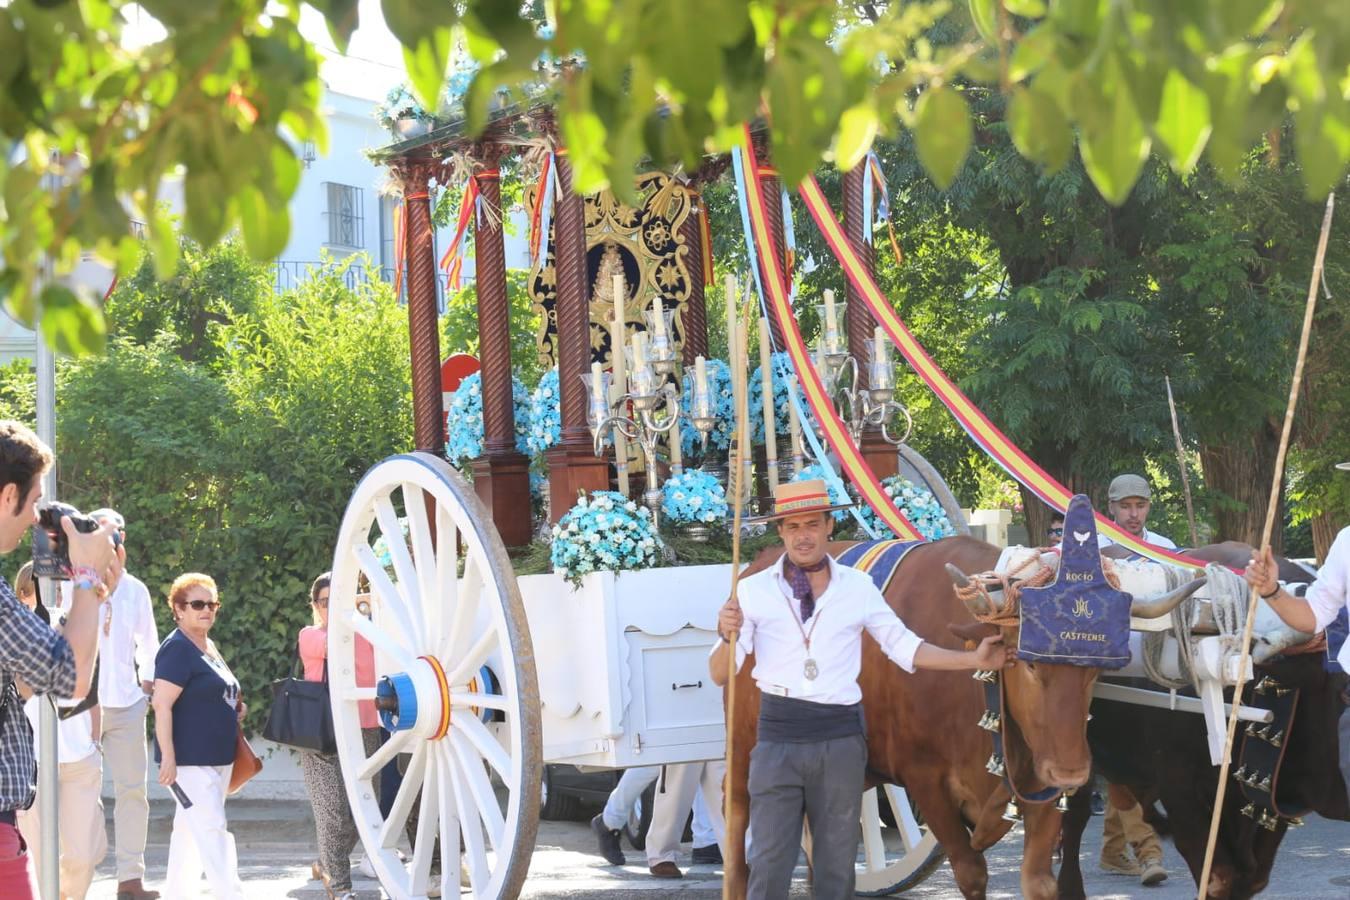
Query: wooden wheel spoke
{"type": "Point", "coordinates": [382, 640]}
{"type": "Point", "coordinates": [353, 694]}
{"type": "Point", "coordinates": [470, 824]}
{"type": "Point", "coordinates": [397, 743]}
{"type": "Point", "coordinates": [423, 554]}
{"type": "Point", "coordinates": [479, 699]}
{"type": "Point", "coordinates": [486, 746]}
{"type": "Point", "coordinates": [398, 547]}
{"type": "Point", "coordinates": [911, 834]}
{"type": "Point", "coordinates": [446, 596]}
{"type": "Point", "coordinates": [389, 599]}
{"type": "Point", "coordinates": [428, 824]}
{"type": "Point", "coordinates": [393, 827]}
{"type": "Point", "coordinates": [468, 595]}
{"type": "Point", "coordinates": [874, 845]}
{"type": "Point", "coordinates": [450, 825]}
{"type": "Point", "coordinates": [471, 766]}
{"type": "Point", "coordinates": [473, 658]}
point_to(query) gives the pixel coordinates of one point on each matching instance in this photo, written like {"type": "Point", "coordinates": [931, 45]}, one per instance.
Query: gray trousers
{"type": "Point", "coordinates": [822, 781]}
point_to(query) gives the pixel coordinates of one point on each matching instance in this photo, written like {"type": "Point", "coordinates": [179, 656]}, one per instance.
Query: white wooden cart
{"type": "Point", "coordinates": [490, 676]}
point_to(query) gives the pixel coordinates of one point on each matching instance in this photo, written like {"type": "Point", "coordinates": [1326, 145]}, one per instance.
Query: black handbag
{"type": "Point", "coordinates": [301, 715]}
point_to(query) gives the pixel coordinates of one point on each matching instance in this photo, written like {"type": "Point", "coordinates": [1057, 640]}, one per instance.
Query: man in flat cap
{"type": "Point", "coordinates": [1130, 500]}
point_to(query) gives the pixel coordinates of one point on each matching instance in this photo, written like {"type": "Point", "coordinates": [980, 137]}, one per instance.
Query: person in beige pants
{"type": "Point", "coordinates": [84, 842]}
{"type": "Point", "coordinates": [127, 644]}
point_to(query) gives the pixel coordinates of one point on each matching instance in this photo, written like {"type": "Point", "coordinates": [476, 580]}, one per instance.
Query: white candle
{"type": "Point", "coordinates": [880, 348]}
{"type": "Point", "coordinates": [700, 376]}
{"type": "Point", "coordinates": [639, 352]}
{"type": "Point", "coordinates": [831, 324]}
{"type": "Point", "coordinates": [794, 424]}
{"type": "Point", "coordinates": [660, 317]}
{"type": "Point", "coordinates": [597, 381]}
{"type": "Point", "coordinates": [731, 325]}
{"type": "Point", "coordinates": [770, 420]}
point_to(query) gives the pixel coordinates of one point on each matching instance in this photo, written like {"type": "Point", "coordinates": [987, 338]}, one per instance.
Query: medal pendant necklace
{"type": "Point", "coordinates": [809, 668]}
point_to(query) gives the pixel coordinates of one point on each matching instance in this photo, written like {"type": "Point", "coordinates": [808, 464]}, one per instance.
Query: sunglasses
{"type": "Point", "coordinates": [199, 605]}
{"type": "Point", "coordinates": [1057, 532]}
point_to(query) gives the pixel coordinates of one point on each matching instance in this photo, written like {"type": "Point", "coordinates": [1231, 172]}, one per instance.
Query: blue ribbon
{"type": "Point", "coordinates": [831, 476]}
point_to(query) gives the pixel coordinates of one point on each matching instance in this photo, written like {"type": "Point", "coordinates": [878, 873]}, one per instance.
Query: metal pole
{"type": "Point", "coordinates": [48, 765]}
{"type": "Point", "coordinates": [49, 876]}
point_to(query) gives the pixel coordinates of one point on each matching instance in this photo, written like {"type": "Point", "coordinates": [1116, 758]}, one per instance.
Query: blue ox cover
{"type": "Point", "coordinates": [1079, 619]}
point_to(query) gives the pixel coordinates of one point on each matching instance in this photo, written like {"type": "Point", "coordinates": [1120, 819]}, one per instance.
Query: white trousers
{"type": "Point", "coordinates": [630, 787]}
{"type": "Point", "coordinates": [200, 841]}
{"type": "Point", "coordinates": [704, 833]}
{"type": "Point", "coordinates": [84, 841]}
{"type": "Point", "coordinates": [674, 799]}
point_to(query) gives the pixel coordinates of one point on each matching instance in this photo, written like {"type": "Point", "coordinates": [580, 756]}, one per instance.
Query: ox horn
{"type": "Point", "coordinates": [1161, 605]}
{"type": "Point", "coordinates": [977, 605]}
{"type": "Point", "coordinates": [1273, 643]}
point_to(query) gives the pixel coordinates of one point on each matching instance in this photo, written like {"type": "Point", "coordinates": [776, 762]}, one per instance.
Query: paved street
{"type": "Point", "coordinates": [276, 844]}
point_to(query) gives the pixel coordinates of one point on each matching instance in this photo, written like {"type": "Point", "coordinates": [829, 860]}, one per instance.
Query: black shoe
{"type": "Point", "coordinates": [609, 841]}
{"type": "Point", "coordinates": [710, 855]}
{"type": "Point", "coordinates": [1098, 804]}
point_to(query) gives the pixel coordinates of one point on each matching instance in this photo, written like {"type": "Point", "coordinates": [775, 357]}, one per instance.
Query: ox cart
{"type": "Point", "coordinates": [488, 676]}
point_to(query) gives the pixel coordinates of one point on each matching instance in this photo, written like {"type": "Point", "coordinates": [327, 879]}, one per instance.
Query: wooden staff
{"type": "Point", "coordinates": [741, 435]}
{"type": "Point", "coordinates": [1181, 463]}
{"type": "Point", "coordinates": [1271, 507]}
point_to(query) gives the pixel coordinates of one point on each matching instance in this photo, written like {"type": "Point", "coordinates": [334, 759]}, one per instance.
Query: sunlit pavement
{"type": "Point", "coordinates": [276, 845]}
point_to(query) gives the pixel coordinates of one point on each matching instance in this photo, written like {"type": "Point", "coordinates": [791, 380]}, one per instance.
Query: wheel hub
{"type": "Point", "coordinates": [417, 700]}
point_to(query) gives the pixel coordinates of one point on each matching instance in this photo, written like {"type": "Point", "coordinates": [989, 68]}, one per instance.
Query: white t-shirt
{"type": "Point", "coordinates": [1330, 593]}
{"type": "Point", "coordinates": [74, 736]}
{"type": "Point", "coordinates": [1150, 537]}
{"type": "Point", "coordinates": [127, 642]}
{"type": "Point", "coordinates": [850, 604]}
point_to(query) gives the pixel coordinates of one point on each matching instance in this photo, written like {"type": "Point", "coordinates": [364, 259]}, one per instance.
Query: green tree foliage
{"type": "Point", "coordinates": [210, 287]}
{"type": "Point", "coordinates": [104, 122]}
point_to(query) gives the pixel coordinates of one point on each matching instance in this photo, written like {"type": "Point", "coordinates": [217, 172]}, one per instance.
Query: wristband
{"type": "Point", "coordinates": [85, 578]}
{"type": "Point", "coordinates": [1272, 594]}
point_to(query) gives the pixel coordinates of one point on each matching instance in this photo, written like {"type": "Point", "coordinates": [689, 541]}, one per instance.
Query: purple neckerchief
{"type": "Point", "coordinates": [801, 584]}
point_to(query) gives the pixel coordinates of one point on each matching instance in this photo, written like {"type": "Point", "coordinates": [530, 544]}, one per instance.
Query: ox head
{"type": "Point", "coordinates": [1048, 702]}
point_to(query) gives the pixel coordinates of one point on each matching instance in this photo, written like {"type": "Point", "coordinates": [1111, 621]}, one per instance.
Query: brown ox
{"type": "Point", "coordinates": [922, 729]}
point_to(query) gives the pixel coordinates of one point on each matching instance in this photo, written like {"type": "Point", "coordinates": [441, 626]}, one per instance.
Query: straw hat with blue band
{"type": "Point", "coordinates": [795, 498]}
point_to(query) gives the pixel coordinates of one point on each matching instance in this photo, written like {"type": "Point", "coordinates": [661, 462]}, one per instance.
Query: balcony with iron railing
{"type": "Point", "coordinates": [290, 274]}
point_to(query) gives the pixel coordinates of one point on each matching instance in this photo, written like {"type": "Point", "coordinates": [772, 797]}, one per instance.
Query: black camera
{"type": "Point", "coordinates": [51, 553]}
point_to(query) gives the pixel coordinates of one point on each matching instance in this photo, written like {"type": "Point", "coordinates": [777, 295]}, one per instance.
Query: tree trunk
{"type": "Point", "coordinates": [1324, 531]}
{"type": "Point", "coordinates": [1239, 473]}
{"type": "Point", "coordinates": [1055, 462]}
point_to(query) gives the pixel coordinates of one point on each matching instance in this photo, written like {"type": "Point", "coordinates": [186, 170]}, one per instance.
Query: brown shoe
{"type": "Point", "coordinates": [666, 870]}
{"type": "Point", "coordinates": [1152, 872]}
{"type": "Point", "coordinates": [134, 890]}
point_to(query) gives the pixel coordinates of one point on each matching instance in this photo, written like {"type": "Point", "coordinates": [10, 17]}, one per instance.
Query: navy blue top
{"type": "Point", "coordinates": [204, 722]}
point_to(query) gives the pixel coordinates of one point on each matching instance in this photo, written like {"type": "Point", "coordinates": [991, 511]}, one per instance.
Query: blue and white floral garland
{"type": "Point", "coordinates": [545, 415]}
{"type": "Point", "coordinates": [694, 497]}
{"type": "Point", "coordinates": [605, 532]}
{"type": "Point", "coordinates": [781, 364]}
{"type": "Point", "coordinates": [916, 503]}
{"type": "Point", "coordinates": [464, 419]}
{"type": "Point", "coordinates": [723, 410]}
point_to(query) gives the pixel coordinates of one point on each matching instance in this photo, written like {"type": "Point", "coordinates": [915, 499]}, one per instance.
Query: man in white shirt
{"type": "Point", "coordinates": [1324, 600]}
{"type": "Point", "coordinates": [1124, 829]}
{"type": "Point", "coordinates": [803, 619]}
{"type": "Point", "coordinates": [127, 643]}
{"type": "Point", "coordinates": [1129, 502]}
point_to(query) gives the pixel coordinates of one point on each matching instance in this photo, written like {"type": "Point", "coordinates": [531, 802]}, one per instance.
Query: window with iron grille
{"type": "Point", "coordinates": [346, 224]}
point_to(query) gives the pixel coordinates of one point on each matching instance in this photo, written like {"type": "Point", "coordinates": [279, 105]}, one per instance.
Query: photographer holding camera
{"type": "Point", "coordinates": [31, 651]}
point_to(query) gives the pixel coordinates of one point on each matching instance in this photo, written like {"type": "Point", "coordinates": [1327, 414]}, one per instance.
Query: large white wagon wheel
{"type": "Point", "coordinates": [894, 859]}
{"type": "Point", "coordinates": [455, 669]}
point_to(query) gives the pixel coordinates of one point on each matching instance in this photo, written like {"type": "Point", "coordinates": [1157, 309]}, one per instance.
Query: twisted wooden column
{"type": "Point", "coordinates": [501, 475]}
{"type": "Point", "coordinates": [423, 334]}
{"type": "Point", "coordinates": [573, 465]}
{"type": "Point", "coordinates": [858, 321]}
{"type": "Point", "coordinates": [694, 318]}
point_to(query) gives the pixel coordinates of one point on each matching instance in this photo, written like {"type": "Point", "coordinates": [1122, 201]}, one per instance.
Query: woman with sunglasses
{"type": "Point", "coordinates": [333, 822]}
{"type": "Point", "coordinates": [197, 713]}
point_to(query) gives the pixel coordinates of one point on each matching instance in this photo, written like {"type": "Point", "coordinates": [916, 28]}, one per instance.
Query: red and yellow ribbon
{"type": "Point", "coordinates": [836, 435]}
{"type": "Point", "coordinates": [453, 260]}
{"type": "Point", "coordinates": [976, 423]}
